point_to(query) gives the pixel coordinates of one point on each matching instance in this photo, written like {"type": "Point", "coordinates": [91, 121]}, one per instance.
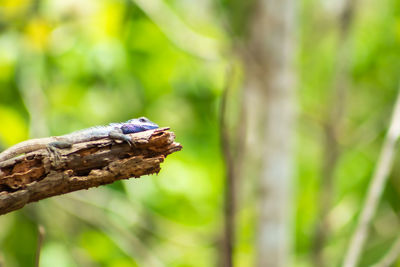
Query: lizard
{"type": "Point", "coordinates": [116, 131]}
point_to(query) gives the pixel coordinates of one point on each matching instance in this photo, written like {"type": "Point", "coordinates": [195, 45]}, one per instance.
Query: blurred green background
{"type": "Point", "coordinates": [67, 65]}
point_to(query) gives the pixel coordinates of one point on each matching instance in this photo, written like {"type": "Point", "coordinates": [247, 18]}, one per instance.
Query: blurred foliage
{"type": "Point", "coordinates": [73, 64]}
{"type": "Point", "coordinates": [237, 15]}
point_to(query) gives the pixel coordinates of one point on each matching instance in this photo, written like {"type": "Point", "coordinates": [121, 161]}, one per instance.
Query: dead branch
{"type": "Point", "coordinates": [38, 175]}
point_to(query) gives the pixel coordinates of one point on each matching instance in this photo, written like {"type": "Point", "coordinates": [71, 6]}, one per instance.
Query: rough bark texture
{"type": "Point", "coordinates": [38, 175]}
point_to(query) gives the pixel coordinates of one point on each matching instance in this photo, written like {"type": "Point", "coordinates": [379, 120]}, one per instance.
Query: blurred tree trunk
{"type": "Point", "coordinates": [264, 37]}
{"type": "Point", "coordinates": [270, 84]}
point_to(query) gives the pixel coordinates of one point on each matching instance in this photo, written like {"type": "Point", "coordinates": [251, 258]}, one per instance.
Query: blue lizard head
{"type": "Point", "coordinates": [138, 125]}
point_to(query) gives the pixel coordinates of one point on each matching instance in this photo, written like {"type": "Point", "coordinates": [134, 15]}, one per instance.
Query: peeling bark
{"type": "Point", "coordinates": [38, 175]}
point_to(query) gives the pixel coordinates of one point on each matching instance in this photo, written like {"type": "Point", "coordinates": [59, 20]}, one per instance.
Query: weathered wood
{"type": "Point", "coordinates": [40, 174]}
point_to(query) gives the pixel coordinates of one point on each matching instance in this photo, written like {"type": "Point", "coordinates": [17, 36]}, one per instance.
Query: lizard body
{"type": "Point", "coordinates": [113, 130]}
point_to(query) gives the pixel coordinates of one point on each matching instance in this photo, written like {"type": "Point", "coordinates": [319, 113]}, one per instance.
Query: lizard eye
{"type": "Point", "coordinates": [143, 119]}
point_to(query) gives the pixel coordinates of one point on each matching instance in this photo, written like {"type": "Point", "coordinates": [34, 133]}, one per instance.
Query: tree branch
{"type": "Point", "coordinates": [332, 129]}
{"type": "Point", "coordinates": [375, 188]}
{"type": "Point", "coordinates": [41, 234]}
{"type": "Point", "coordinates": [38, 175]}
{"type": "Point", "coordinates": [230, 182]}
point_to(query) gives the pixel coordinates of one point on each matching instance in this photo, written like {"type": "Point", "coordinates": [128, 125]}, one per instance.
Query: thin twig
{"type": "Point", "coordinates": [41, 233]}
{"type": "Point", "coordinates": [391, 256]}
{"type": "Point", "coordinates": [375, 188]}
{"type": "Point", "coordinates": [230, 182]}
{"type": "Point", "coordinates": [333, 126]}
